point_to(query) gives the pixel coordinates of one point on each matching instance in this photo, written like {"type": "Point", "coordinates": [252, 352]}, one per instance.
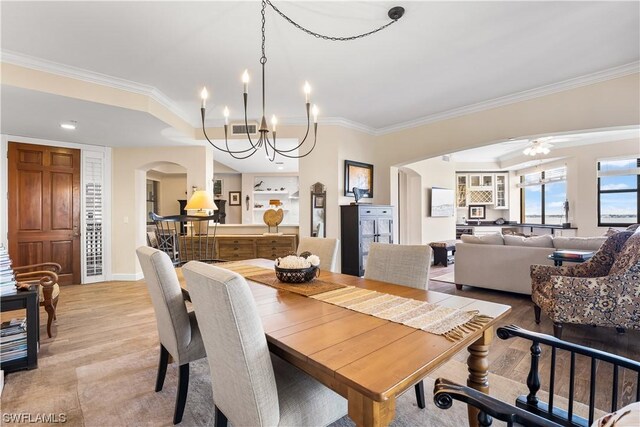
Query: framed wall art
{"type": "Point", "coordinates": [359, 175]}
{"type": "Point", "coordinates": [477, 212]}
{"type": "Point", "coordinates": [235, 198]}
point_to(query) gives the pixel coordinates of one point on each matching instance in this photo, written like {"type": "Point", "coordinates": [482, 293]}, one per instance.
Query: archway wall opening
{"type": "Point", "coordinates": [130, 166]}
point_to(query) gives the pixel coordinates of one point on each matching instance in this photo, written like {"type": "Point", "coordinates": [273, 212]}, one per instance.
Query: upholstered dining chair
{"type": "Point", "coordinates": [251, 387]}
{"type": "Point", "coordinates": [603, 291]}
{"type": "Point", "coordinates": [325, 248]}
{"type": "Point", "coordinates": [406, 265]}
{"type": "Point", "coordinates": [177, 328]}
{"type": "Point", "coordinates": [45, 276]}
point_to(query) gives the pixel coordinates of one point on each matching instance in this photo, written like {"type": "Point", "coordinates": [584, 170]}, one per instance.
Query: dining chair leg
{"type": "Point", "coordinates": [536, 313]}
{"type": "Point", "coordinates": [162, 368]}
{"type": "Point", "coordinates": [183, 388]}
{"type": "Point", "coordinates": [221, 419]}
{"type": "Point", "coordinates": [420, 394]}
{"type": "Point", "coordinates": [50, 313]}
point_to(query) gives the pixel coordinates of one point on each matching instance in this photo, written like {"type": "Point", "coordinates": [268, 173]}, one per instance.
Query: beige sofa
{"type": "Point", "coordinates": [503, 262]}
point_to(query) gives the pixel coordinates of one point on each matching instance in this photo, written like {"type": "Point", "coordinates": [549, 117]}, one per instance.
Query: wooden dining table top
{"type": "Point", "coordinates": [348, 350]}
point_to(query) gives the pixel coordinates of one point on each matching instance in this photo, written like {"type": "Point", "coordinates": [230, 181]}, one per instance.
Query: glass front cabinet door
{"type": "Point", "coordinates": [501, 195]}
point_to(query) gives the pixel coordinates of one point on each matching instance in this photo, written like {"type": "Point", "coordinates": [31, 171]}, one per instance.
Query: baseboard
{"type": "Point", "coordinates": [127, 277]}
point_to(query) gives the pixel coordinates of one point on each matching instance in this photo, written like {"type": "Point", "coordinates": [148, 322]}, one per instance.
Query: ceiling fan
{"type": "Point", "coordinates": [538, 146]}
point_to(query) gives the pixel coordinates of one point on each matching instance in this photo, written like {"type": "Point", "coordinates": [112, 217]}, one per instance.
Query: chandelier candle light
{"type": "Point", "coordinates": [269, 144]}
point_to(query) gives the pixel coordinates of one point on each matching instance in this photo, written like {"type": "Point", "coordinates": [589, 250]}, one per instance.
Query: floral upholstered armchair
{"type": "Point", "coordinates": [603, 291]}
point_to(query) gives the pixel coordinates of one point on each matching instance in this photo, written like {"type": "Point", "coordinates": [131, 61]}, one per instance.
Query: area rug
{"type": "Point", "coordinates": [120, 392]}
{"type": "Point", "coordinates": [447, 278]}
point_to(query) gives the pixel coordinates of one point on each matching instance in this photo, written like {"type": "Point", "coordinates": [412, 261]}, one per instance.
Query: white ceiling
{"type": "Point", "coordinates": [38, 115]}
{"type": "Point", "coordinates": [440, 56]}
{"type": "Point", "coordinates": [512, 149]}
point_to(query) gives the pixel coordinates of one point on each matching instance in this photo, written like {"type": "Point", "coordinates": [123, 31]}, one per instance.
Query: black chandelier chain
{"type": "Point", "coordinates": [394, 18]}
{"type": "Point", "coordinates": [263, 141]}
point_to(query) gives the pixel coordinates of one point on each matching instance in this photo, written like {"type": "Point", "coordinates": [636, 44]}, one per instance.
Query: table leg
{"type": "Point", "coordinates": [478, 363]}
{"type": "Point", "coordinates": [366, 412]}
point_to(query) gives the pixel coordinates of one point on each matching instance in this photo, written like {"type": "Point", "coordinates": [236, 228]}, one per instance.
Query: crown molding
{"type": "Point", "coordinates": [88, 76]}
{"type": "Point", "coordinates": [155, 94]}
{"type": "Point", "coordinates": [597, 77]}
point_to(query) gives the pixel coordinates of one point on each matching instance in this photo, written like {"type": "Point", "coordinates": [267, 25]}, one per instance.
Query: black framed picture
{"type": "Point", "coordinates": [477, 212]}
{"type": "Point", "coordinates": [359, 175]}
{"type": "Point", "coordinates": [318, 202]}
{"type": "Point", "coordinates": [234, 198]}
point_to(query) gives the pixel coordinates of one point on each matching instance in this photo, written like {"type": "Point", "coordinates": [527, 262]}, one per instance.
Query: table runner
{"type": "Point", "coordinates": [451, 323]}
{"type": "Point", "coordinates": [267, 276]}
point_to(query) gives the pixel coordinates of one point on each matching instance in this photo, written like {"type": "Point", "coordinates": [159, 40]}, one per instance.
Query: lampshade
{"type": "Point", "coordinates": [201, 200]}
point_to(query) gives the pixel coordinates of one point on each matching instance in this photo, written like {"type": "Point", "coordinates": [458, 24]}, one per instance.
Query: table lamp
{"type": "Point", "coordinates": [201, 200]}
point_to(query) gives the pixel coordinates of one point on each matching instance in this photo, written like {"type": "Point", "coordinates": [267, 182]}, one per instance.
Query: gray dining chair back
{"type": "Point", "coordinates": [325, 248]}
{"type": "Point", "coordinates": [406, 265]}
{"type": "Point", "coordinates": [251, 387]}
{"type": "Point", "coordinates": [177, 328]}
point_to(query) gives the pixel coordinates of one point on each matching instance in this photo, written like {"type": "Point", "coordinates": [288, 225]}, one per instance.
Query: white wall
{"type": "Point", "coordinates": [172, 189]}
{"type": "Point", "coordinates": [232, 182]}
{"type": "Point", "coordinates": [608, 104]}
{"type": "Point", "coordinates": [130, 167]}
{"type": "Point", "coordinates": [435, 173]}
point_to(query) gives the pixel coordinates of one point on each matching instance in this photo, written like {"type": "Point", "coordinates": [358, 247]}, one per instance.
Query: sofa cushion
{"type": "Point", "coordinates": [487, 239]}
{"type": "Point", "coordinates": [632, 227]}
{"type": "Point", "coordinates": [579, 243]}
{"type": "Point", "coordinates": [545, 241]}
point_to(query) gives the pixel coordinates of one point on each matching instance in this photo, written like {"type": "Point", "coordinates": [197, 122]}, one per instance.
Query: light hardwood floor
{"type": "Point", "coordinates": [106, 321]}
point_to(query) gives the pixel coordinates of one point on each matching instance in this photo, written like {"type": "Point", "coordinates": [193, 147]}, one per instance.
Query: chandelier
{"type": "Point", "coordinates": [538, 146]}
{"type": "Point", "coordinates": [269, 143]}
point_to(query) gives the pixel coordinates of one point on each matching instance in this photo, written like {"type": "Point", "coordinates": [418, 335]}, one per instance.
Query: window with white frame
{"type": "Point", "coordinates": [543, 195]}
{"type": "Point", "coordinates": [618, 183]}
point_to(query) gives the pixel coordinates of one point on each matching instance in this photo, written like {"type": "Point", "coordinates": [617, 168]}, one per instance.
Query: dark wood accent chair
{"type": "Point", "coordinates": [529, 410]}
{"type": "Point", "coordinates": [45, 276]}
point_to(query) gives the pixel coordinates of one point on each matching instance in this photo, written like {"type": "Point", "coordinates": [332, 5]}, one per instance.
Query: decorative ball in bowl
{"type": "Point", "coordinates": [297, 269]}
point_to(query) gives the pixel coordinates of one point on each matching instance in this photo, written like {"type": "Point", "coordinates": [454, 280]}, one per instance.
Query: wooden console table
{"type": "Point", "coordinates": [248, 246]}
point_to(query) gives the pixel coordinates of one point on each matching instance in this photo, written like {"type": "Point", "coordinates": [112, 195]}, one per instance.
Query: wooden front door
{"type": "Point", "coordinates": [44, 207]}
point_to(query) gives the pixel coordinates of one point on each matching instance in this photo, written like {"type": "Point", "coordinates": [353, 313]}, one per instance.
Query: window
{"type": "Point", "coordinates": [543, 196]}
{"type": "Point", "coordinates": [618, 183]}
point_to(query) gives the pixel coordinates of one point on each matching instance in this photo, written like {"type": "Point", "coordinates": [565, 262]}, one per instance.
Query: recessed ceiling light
{"type": "Point", "coordinates": [280, 167]}
{"type": "Point", "coordinates": [70, 125]}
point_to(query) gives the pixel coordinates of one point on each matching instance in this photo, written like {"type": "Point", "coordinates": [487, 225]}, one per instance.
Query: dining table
{"type": "Point", "coordinates": [368, 360]}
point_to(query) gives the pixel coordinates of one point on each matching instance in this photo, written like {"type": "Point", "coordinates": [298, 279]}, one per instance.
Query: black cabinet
{"type": "Point", "coordinates": [362, 225]}
{"type": "Point", "coordinates": [220, 214]}
{"type": "Point", "coordinates": [13, 356]}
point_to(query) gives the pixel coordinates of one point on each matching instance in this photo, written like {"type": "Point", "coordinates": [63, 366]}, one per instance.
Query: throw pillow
{"type": "Point", "coordinates": [610, 232]}
{"type": "Point", "coordinates": [545, 241]}
{"type": "Point", "coordinates": [579, 243]}
{"type": "Point", "coordinates": [629, 416]}
{"type": "Point", "coordinates": [487, 239]}
{"type": "Point", "coordinates": [632, 227]}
